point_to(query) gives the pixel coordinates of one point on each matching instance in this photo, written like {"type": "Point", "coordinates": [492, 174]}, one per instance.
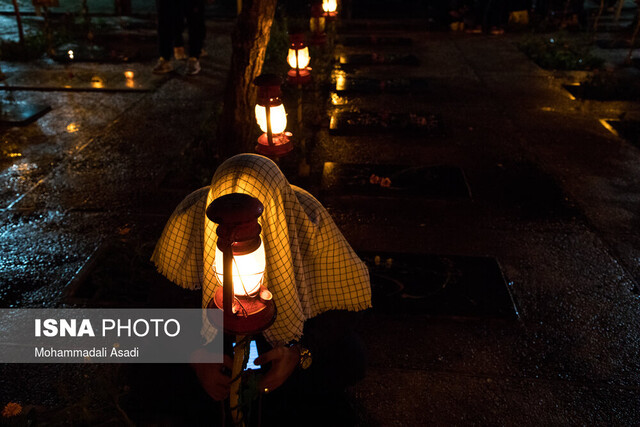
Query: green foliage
{"type": "Point", "coordinates": [557, 53]}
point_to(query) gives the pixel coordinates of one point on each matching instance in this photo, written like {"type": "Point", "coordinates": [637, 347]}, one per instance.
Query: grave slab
{"type": "Point", "coordinates": [361, 59]}
{"type": "Point", "coordinates": [431, 182]}
{"type": "Point", "coordinates": [346, 85]}
{"type": "Point", "coordinates": [439, 285]}
{"type": "Point", "coordinates": [368, 122]}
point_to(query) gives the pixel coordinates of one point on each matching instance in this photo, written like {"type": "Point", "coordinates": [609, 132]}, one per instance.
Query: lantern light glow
{"type": "Point", "coordinates": [301, 60]}
{"type": "Point", "coordinates": [277, 118]}
{"type": "Point", "coordinates": [329, 5]}
{"type": "Point", "coordinates": [298, 59]}
{"type": "Point", "coordinates": [248, 271]}
{"type": "Point", "coordinates": [330, 8]}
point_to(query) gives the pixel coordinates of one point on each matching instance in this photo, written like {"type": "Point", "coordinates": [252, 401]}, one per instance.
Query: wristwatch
{"type": "Point", "coordinates": [305, 354]}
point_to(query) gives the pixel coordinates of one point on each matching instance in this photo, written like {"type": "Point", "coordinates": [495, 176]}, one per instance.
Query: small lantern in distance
{"type": "Point", "coordinates": [298, 59]}
{"type": "Point", "coordinates": [240, 264]}
{"type": "Point", "coordinates": [317, 25]}
{"type": "Point", "coordinates": [271, 117]}
{"type": "Point", "coordinates": [330, 8]}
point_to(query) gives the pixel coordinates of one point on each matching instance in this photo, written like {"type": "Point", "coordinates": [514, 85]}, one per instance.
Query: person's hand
{"type": "Point", "coordinates": [283, 362]}
{"type": "Point", "coordinates": [210, 375]}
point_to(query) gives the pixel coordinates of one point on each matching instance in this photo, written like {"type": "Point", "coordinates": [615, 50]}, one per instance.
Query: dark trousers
{"type": "Point", "coordinates": [171, 15]}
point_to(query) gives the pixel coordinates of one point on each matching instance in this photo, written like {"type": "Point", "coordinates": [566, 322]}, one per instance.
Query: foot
{"type": "Point", "coordinates": [178, 53]}
{"type": "Point", "coordinates": [193, 66]}
{"type": "Point", "coordinates": [163, 67]}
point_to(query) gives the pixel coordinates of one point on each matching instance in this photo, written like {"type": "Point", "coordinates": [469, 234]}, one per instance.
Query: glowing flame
{"type": "Point", "coordinates": [248, 271]}
{"type": "Point", "coordinates": [73, 127]}
{"type": "Point", "coordinates": [329, 5]}
{"type": "Point", "coordinates": [278, 118]}
{"type": "Point", "coordinates": [128, 75]}
{"type": "Point", "coordinates": [302, 59]}
{"type": "Point", "coordinates": [70, 53]}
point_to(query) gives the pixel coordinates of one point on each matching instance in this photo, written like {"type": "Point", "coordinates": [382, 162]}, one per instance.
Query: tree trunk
{"type": "Point", "coordinates": [237, 130]}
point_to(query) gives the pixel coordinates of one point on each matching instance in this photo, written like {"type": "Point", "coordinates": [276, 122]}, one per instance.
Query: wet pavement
{"type": "Point", "coordinates": [547, 229]}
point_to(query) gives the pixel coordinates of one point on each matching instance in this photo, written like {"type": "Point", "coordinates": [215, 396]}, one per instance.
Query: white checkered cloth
{"type": "Point", "coordinates": [310, 266]}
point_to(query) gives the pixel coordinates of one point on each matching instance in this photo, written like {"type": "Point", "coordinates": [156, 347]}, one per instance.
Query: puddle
{"type": "Point", "coordinates": [439, 285]}
{"type": "Point", "coordinates": [368, 123]}
{"type": "Point", "coordinates": [433, 182]}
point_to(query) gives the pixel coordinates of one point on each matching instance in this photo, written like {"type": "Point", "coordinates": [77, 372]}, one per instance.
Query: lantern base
{"type": "Point", "coordinates": [301, 77]}
{"type": "Point", "coordinates": [258, 314]}
{"type": "Point", "coordinates": [281, 145]}
{"type": "Point", "coordinates": [331, 16]}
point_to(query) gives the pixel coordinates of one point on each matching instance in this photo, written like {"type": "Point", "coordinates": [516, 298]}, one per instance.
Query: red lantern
{"type": "Point", "coordinates": [240, 264]}
{"type": "Point", "coordinates": [298, 59]}
{"type": "Point", "coordinates": [317, 25]}
{"type": "Point", "coordinates": [271, 117]}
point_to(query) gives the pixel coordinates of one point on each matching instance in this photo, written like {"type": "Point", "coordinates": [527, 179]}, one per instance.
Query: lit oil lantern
{"type": "Point", "coordinates": [298, 59]}
{"type": "Point", "coordinates": [317, 25]}
{"type": "Point", "coordinates": [240, 265]}
{"type": "Point", "coordinates": [271, 117]}
{"type": "Point", "coordinates": [330, 8]}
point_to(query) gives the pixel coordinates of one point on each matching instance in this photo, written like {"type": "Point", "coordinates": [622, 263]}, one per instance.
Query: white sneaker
{"type": "Point", "coordinates": [163, 67]}
{"type": "Point", "coordinates": [193, 66]}
{"type": "Point", "coordinates": [178, 53]}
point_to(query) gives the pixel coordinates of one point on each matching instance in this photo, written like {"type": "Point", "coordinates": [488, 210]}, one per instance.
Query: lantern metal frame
{"type": "Point", "coordinates": [239, 234]}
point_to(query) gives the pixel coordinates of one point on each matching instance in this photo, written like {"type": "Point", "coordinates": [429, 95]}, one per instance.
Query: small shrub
{"type": "Point", "coordinates": [554, 52]}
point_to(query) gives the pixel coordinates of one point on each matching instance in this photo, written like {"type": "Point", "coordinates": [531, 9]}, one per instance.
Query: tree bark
{"type": "Point", "coordinates": [237, 130]}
